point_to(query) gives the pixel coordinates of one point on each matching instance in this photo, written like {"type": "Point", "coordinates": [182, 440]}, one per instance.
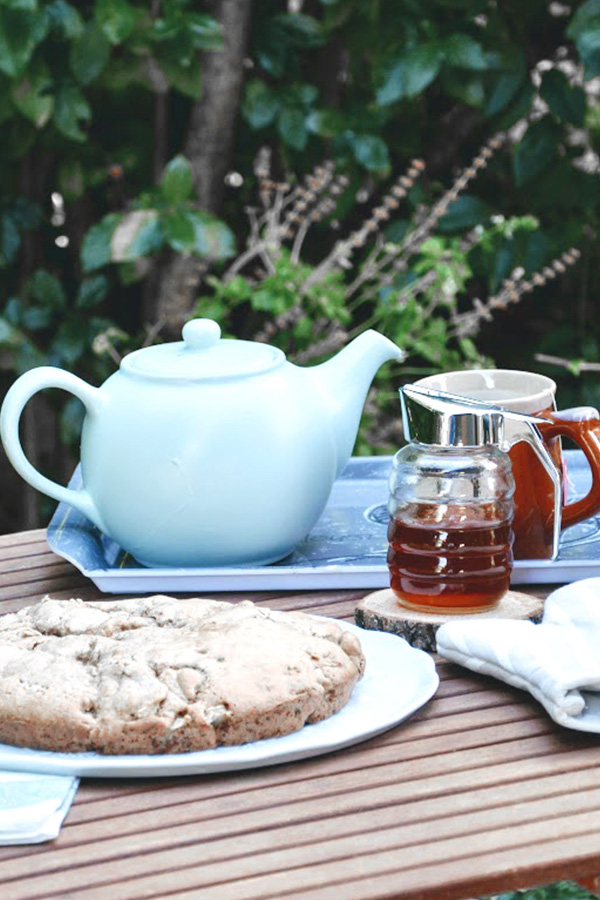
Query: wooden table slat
{"type": "Point", "coordinates": [158, 829]}
{"type": "Point", "coordinates": [258, 857]}
{"type": "Point", "coordinates": [556, 789]}
{"type": "Point", "coordinates": [533, 804]}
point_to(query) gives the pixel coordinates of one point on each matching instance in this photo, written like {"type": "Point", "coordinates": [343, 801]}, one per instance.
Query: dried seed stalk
{"type": "Point", "coordinates": [273, 226]}
{"type": "Point", "coordinates": [468, 323]}
{"type": "Point", "coordinates": [343, 250]}
{"type": "Point", "coordinates": [400, 254]}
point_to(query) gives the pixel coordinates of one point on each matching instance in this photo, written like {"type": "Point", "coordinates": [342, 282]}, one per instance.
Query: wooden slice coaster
{"type": "Point", "coordinates": [381, 611]}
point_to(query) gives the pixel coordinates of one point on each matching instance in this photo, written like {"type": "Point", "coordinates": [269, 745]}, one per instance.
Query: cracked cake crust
{"type": "Point", "coordinates": [159, 675]}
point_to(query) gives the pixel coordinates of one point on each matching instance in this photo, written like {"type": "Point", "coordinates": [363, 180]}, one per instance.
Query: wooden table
{"type": "Point", "coordinates": [478, 792]}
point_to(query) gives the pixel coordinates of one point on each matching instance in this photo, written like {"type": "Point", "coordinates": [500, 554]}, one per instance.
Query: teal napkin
{"type": "Point", "coordinates": [33, 807]}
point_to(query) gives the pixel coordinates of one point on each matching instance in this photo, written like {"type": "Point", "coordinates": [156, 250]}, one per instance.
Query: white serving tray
{"type": "Point", "coordinates": [398, 680]}
{"type": "Point", "coordinates": [346, 548]}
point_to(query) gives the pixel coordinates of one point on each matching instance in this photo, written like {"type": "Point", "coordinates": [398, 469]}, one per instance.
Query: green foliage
{"type": "Point", "coordinates": [421, 324]}
{"type": "Point", "coordinates": [166, 216]}
{"type": "Point", "coordinates": [584, 30]}
{"type": "Point", "coordinates": [369, 85]}
{"type": "Point", "coordinates": [239, 300]}
{"type": "Point", "coordinates": [566, 101]}
{"type": "Point", "coordinates": [562, 890]}
{"type": "Point", "coordinates": [45, 327]}
{"type": "Point", "coordinates": [535, 152]}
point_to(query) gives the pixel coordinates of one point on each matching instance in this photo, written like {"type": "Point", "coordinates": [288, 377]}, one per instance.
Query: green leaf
{"type": "Point", "coordinates": [10, 337]}
{"type": "Point", "coordinates": [64, 20]}
{"type": "Point", "coordinates": [584, 29]}
{"type": "Point", "coordinates": [260, 104]}
{"type": "Point", "coordinates": [410, 74]}
{"type": "Point", "coordinates": [71, 109]}
{"type": "Point", "coordinates": [272, 53]}
{"type": "Point", "coordinates": [466, 212]}
{"type": "Point", "coordinates": [299, 29]}
{"type": "Point", "coordinates": [32, 95]}
{"type": "Point", "coordinates": [179, 231]}
{"type": "Point", "coordinates": [391, 88]}
{"type": "Point", "coordinates": [503, 91]}
{"type": "Point", "coordinates": [538, 252]}
{"type": "Point", "coordinates": [213, 238]}
{"type": "Point", "coordinates": [36, 318]}
{"type": "Point", "coordinates": [20, 33]}
{"type": "Point", "coordinates": [138, 233]}
{"type": "Point", "coordinates": [176, 182]}
{"type": "Point", "coordinates": [12, 311]}
{"type": "Point", "coordinates": [535, 152]}
{"type": "Point", "coordinates": [205, 30]}
{"type": "Point", "coordinates": [10, 239]}
{"type": "Point", "coordinates": [291, 125]}
{"type": "Point", "coordinates": [303, 94]}
{"type": "Point", "coordinates": [71, 341]}
{"type": "Point", "coordinates": [519, 107]}
{"type": "Point", "coordinates": [325, 122]}
{"type": "Point", "coordinates": [28, 357]}
{"type": "Point", "coordinates": [565, 101]}
{"type": "Point", "coordinates": [116, 18]}
{"type": "Point", "coordinates": [89, 54]}
{"type": "Point", "coordinates": [466, 87]}
{"type": "Point", "coordinates": [588, 45]}
{"type": "Point", "coordinates": [92, 291]}
{"type": "Point", "coordinates": [21, 4]}
{"type": "Point", "coordinates": [371, 152]}
{"type": "Point", "coordinates": [269, 300]}
{"type": "Point", "coordinates": [465, 52]}
{"type": "Point", "coordinates": [47, 289]}
{"type": "Point", "coordinates": [504, 263]}
{"type": "Point", "coordinates": [587, 14]}
{"type": "Point", "coordinates": [96, 248]}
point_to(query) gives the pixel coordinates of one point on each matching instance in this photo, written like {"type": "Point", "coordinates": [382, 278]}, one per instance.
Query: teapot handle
{"type": "Point", "coordinates": [17, 396]}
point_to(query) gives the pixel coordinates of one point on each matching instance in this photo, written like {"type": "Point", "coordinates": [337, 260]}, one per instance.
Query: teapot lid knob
{"type": "Point", "coordinates": [199, 334]}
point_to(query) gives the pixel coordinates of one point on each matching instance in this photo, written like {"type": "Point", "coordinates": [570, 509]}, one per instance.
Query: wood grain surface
{"type": "Point", "coordinates": [476, 793]}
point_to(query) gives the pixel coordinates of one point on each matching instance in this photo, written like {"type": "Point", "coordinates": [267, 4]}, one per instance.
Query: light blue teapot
{"type": "Point", "coordinates": [208, 452]}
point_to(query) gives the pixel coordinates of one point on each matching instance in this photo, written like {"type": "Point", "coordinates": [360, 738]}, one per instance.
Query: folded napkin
{"type": "Point", "coordinates": [557, 661]}
{"type": "Point", "coordinates": [32, 807]}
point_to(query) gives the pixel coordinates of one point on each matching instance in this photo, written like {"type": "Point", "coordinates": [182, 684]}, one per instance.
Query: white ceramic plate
{"type": "Point", "coordinates": [398, 680]}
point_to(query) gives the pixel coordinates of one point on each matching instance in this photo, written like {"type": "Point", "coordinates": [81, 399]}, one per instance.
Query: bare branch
{"type": "Point", "coordinates": [575, 366]}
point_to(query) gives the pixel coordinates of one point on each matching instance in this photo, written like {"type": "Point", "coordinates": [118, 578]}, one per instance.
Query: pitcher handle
{"type": "Point", "coordinates": [581, 425]}
{"type": "Point", "coordinates": [17, 396]}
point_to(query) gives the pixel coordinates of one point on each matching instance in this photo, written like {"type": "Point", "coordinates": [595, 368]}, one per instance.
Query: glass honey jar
{"type": "Point", "coordinates": [451, 502]}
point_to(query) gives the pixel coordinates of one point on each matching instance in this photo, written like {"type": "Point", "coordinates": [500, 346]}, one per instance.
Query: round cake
{"type": "Point", "coordinates": [159, 675]}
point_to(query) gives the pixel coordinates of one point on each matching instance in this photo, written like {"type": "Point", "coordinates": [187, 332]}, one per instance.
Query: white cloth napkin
{"type": "Point", "coordinates": [557, 661]}
{"type": "Point", "coordinates": [33, 807]}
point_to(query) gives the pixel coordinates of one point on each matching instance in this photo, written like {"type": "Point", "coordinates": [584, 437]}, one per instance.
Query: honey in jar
{"type": "Point", "coordinates": [450, 556]}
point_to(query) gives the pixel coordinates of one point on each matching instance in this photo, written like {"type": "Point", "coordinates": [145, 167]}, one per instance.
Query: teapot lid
{"type": "Point", "coordinates": [203, 355]}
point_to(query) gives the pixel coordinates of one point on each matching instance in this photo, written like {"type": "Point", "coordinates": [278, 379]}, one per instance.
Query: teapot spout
{"type": "Point", "coordinates": [345, 380]}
